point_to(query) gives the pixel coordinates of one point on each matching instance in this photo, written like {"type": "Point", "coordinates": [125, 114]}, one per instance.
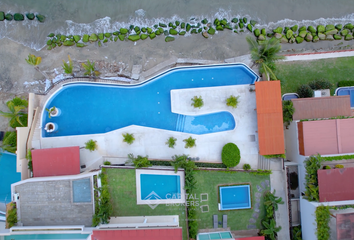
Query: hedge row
{"type": "Point", "coordinates": [334, 158]}
{"type": "Point", "coordinates": [345, 83]}
{"type": "Point", "coordinates": [198, 164]}
{"type": "Point", "coordinates": [21, 17]}
{"type": "Point", "coordinates": [322, 221]}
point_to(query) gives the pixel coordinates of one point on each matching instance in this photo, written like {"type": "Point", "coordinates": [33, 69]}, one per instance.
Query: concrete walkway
{"type": "Point", "coordinates": [278, 183]}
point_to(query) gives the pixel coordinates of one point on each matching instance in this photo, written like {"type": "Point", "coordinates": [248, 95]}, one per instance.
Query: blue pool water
{"type": "Point", "coordinates": [100, 108]}
{"type": "Point", "coordinates": [155, 187]}
{"type": "Point", "coordinates": [214, 235]}
{"type": "Point", "coordinates": [347, 91]}
{"type": "Point", "coordinates": [235, 197]}
{"type": "Point", "coordinates": [47, 236]}
{"type": "Point", "coordinates": [8, 175]}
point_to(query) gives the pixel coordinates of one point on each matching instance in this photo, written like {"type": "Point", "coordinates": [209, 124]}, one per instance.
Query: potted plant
{"type": "Point", "coordinates": [197, 102]}
{"type": "Point", "coordinates": [232, 101]}
{"type": "Point", "coordinates": [53, 112]}
{"type": "Point", "coordinates": [51, 127]}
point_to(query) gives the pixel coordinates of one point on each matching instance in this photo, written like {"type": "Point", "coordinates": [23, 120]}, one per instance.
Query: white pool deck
{"type": "Point", "coordinates": [151, 141]}
{"type": "Point", "coordinates": [139, 201]}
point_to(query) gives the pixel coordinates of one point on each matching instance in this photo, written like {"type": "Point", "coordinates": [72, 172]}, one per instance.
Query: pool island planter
{"type": "Point", "coordinates": [51, 127]}
{"type": "Point", "coordinates": [154, 198]}
{"type": "Point", "coordinates": [234, 197]}
{"type": "Point", "coordinates": [54, 112]}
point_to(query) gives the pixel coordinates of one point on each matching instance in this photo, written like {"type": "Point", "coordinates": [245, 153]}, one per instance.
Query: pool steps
{"type": "Point", "coordinates": [180, 122]}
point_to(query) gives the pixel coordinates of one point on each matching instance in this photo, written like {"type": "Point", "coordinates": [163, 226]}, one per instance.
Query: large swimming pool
{"type": "Point", "coordinates": [8, 176]}
{"type": "Point", "coordinates": [100, 108]}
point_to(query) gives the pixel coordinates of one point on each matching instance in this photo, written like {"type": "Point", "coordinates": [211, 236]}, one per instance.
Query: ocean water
{"type": "Point", "coordinates": [87, 16]}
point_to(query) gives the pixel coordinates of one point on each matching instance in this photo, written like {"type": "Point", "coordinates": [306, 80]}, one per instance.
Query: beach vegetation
{"type": "Point", "coordinates": [18, 118]}
{"type": "Point", "coordinates": [265, 54]}
{"type": "Point", "coordinates": [230, 155]}
{"type": "Point", "coordinates": [232, 101]}
{"type": "Point", "coordinates": [197, 102]}
{"type": "Point", "coordinates": [190, 142]}
{"type": "Point", "coordinates": [171, 142]}
{"type": "Point", "coordinates": [90, 69]}
{"type": "Point", "coordinates": [68, 66]}
{"type": "Point", "coordinates": [9, 142]}
{"type": "Point", "coordinates": [91, 145]}
{"type": "Point", "coordinates": [128, 138]}
{"type": "Point", "coordinates": [34, 61]}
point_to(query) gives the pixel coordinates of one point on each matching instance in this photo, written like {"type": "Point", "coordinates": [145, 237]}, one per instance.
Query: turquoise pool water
{"type": "Point", "coordinates": [214, 235]}
{"type": "Point", "coordinates": [71, 236]}
{"type": "Point", "coordinates": [235, 197]}
{"type": "Point", "coordinates": [100, 108]}
{"type": "Point", "coordinates": [154, 187]}
{"type": "Point", "coordinates": [8, 176]}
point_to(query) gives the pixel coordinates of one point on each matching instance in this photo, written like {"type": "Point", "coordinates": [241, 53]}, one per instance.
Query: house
{"type": "Point", "coordinates": [320, 126]}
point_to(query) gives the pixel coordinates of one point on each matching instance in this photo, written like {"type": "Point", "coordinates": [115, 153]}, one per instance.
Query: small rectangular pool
{"type": "Point", "coordinates": [235, 197]}
{"type": "Point", "coordinates": [159, 186]}
{"type": "Point", "coordinates": [214, 235]}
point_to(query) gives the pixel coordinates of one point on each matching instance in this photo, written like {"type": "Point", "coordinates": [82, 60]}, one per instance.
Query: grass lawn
{"type": "Point", "coordinates": [122, 187]}
{"type": "Point", "coordinates": [208, 181]}
{"type": "Point", "coordinates": [294, 74]}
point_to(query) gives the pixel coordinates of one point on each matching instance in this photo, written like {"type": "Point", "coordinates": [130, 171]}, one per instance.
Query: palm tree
{"type": "Point", "coordinates": [68, 68]}
{"type": "Point", "coordinates": [35, 61]}
{"type": "Point", "coordinates": [15, 113]}
{"type": "Point", "coordinates": [90, 69]}
{"type": "Point", "coordinates": [265, 54]}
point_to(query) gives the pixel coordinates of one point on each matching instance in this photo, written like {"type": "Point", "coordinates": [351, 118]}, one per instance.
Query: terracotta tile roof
{"type": "Point", "coordinates": [335, 136]}
{"type": "Point", "coordinates": [270, 118]}
{"type": "Point", "coordinates": [56, 161]}
{"type": "Point", "coordinates": [321, 107]}
{"type": "Point", "coordinates": [138, 234]}
{"type": "Point", "coordinates": [336, 184]}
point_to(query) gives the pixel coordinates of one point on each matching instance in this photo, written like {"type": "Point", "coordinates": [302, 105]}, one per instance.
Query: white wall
{"type": "Point", "coordinates": [292, 152]}
{"type": "Point", "coordinates": [308, 219]}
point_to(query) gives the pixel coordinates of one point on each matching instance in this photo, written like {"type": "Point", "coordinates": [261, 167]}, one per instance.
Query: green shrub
{"type": "Point", "coordinates": [197, 102]}
{"type": "Point", "coordinates": [103, 206]}
{"type": "Point", "coordinates": [230, 155]}
{"type": "Point", "coordinates": [296, 231]}
{"type": "Point", "coordinates": [312, 164]}
{"type": "Point", "coordinates": [339, 166]}
{"type": "Point", "coordinates": [322, 221]}
{"type": "Point", "coordinates": [275, 156]}
{"type": "Point", "coordinates": [9, 142]}
{"type": "Point", "coordinates": [261, 172]}
{"type": "Point", "coordinates": [197, 164]}
{"type": "Point", "coordinates": [107, 163]}
{"type": "Point", "coordinates": [23, 120]}
{"type": "Point", "coordinates": [91, 145]}
{"type": "Point", "coordinates": [171, 142]}
{"type": "Point", "coordinates": [19, 102]}
{"type": "Point", "coordinates": [305, 91]}
{"type": "Point", "coordinates": [320, 84]}
{"type": "Point", "coordinates": [288, 111]}
{"type": "Point", "coordinates": [190, 142]}
{"type": "Point", "coordinates": [232, 101]}
{"type": "Point", "coordinates": [139, 161]}
{"type": "Point", "coordinates": [345, 83]}
{"type": "Point", "coordinates": [327, 167]}
{"type": "Point", "coordinates": [246, 166]}
{"type": "Point", "coordinates": [29, 158]}
{"type": "Point", "coordinates": [12, 216]}
{"type": "Point", "coordinates": [128, 138]}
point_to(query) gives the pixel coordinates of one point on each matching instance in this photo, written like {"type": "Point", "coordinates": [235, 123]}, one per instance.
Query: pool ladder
{"type": "Point", "coordinates": [180, 122]}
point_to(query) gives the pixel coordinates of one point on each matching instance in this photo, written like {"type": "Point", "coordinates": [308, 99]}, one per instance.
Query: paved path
{"type": "Point", "coordinates": [278, 183]}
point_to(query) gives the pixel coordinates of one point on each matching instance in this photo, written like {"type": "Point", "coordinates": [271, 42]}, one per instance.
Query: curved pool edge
{"type": "Point", "coordinates": [50, 98]}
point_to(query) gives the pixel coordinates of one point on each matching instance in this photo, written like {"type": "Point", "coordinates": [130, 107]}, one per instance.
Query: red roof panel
{"type": "Point", "coordinates": [345, 226]}
{"type": "Point", "coordinates": [269, 118]}
{"type": "Point", "coordinates": [251, 238]}
{"type": "Point", "coordinates": [56, 161]}
{"type": "Point", "coordinates": [138, 234]}
{"type": "Point", "coordinates": [336, 184]}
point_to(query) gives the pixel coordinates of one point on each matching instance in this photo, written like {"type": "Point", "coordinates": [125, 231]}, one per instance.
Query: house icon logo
{"type": "Point", "coordinates": [151, 199]}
